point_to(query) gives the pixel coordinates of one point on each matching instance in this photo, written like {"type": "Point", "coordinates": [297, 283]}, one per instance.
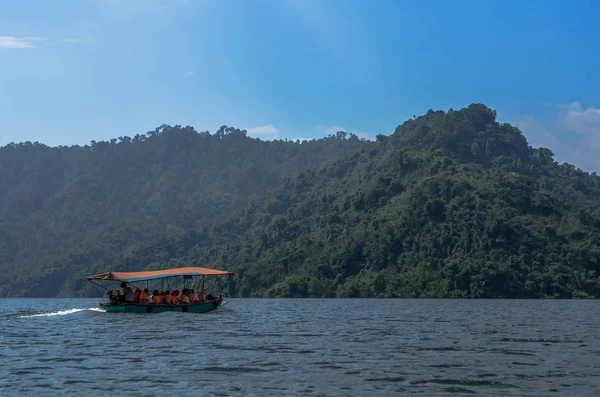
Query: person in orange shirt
{"type": "Point", "coordinates": [168, 297]}
{"type": "Point", "coordinates": [144, 296]}
{"type": "Point", "coordinates": [156, 297]}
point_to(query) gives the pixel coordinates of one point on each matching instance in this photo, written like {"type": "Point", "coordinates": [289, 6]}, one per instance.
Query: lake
{"type": "Point", "coordinates": [303, 347]}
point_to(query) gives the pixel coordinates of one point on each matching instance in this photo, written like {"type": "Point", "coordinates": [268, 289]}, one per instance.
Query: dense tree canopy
{"type": "Point", "coordinates": [452, 204]}
{"type": "Point", "coordinates": [84, 204]}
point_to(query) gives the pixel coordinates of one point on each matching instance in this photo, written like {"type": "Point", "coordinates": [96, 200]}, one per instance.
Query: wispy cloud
{"type": "Point", "coordinates": [189, 74]}
{"type": "Point", "coordinates": [20, 42]}
{"type": "Point", "coordinates": [585, 122]}
{"type": "Point", "coordinates": [537, 133]}
{"type": "Point", "coordinates": [333, 129]}
{"type": "Point", "coordinates": [573, 134]}
{"type": "Point", "coordinates": [36, 42]}
{"type": "Point", "coordinates": [363, 135]}
{"type": "Point", "coordinates": [264, 131]}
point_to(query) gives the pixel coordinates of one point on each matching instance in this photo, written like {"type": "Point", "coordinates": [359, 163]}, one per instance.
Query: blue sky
{"type": "Point", "coordinates": [76, 71]}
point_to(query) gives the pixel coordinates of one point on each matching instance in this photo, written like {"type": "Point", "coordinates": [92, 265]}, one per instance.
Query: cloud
{"type": "Point", "coordinates": [264, 130]}
{"type": "Point", "coordinates": [585, 122]}
{"type": "Point", "coordinates": [188, 74]}
{"type": "Point", "coordinates": [585, 125]}
{"type": "Point", "coordinates": [35, 42]}
{"type": "Point", "coordinates": [363, 135]}
{"type": "Point", "coordinates": [573, 134]}
{"type": "Point", "coordinates": [300, 139]}
{"type": "Point", "coordinates": [20, 42]}
{"type": "Point", "coordinates": [333, 129]}
{"type": "Point", "coordinates": [537, 133]}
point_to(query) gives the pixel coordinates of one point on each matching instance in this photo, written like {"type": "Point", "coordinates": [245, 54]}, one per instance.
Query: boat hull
{"type": "Point", "coordinates": [140, 308]}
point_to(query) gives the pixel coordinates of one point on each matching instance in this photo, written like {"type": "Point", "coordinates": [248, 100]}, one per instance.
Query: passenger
{"type": "Point", "coordinates": [136, 295]}
{"type": "Point", "coordinates": [127, 292]}
{"type": "Point", "coordinates": [114, 297]}
{"type": "Point", "coordinates": [201, 295]}
{"type": "Point", "coordinates": [191, 295]}
{"type": "Point", "coordinates": [167, 298]}
{"type": "Point", "coordinates": [185, 299]}
{"type": "Point", "coordinates": [144, 296]}
{"type": "Point", "coordinates": [174, 296]}
{"type": "Point", "coordinates": [181, 295]}
{"type": "Point", "coordinates": [156, 298]}
{"type": "Point", "coordinates": [195, 295]}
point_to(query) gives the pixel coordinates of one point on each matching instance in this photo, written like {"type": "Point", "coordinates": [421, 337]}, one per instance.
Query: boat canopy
{"type": "Point", "coordinates": [152, 275]}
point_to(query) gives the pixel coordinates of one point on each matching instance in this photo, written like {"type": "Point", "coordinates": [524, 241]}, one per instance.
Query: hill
{"type": "Point", "coordinates": [87, 204]}
{"type": "Point", "coordinates": [452, 204]}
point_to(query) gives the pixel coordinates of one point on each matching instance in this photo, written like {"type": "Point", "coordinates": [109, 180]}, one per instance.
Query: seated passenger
{"type": "Point", "coordinates": [167, 297]}
{"type": "Point", "coordinates": [114, 297]}
{"type": "Point", "coordinates": [174, 297]}
{"type": "Point", "coordinates": [156, 298]}
{"type": "Point", "coordinates": [144, 296]}
{"type": "Point", "coordinates": [184, 296]}
{"type": "Point", "coordinates": [191, 296]}
{"type": "Point", "coordinates": [127, 292]}
{"type": "Point", "coordinates": [181, 295]}
{"type": "Point", "coordinates": [136, 295]}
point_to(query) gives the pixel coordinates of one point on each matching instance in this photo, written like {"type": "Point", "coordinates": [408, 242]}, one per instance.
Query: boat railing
{"type": "Point", "coordinates": [163, 304]}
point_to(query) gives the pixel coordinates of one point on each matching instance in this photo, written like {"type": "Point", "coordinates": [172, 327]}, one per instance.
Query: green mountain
{"type": "Point", "coordinates": [452, 204]}
{"type": "Point", "coordinates": [65, 209]}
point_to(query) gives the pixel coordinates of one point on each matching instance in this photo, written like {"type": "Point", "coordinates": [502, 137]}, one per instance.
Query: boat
{"type": "Point", "coordinates": [185, 274]}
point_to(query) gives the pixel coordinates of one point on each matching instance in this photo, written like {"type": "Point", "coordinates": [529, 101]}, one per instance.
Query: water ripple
{"type": "Point", "coordinates": [287, 347]}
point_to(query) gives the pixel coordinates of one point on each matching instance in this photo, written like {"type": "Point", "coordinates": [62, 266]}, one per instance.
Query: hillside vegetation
{"type": "Point", "coordinates": [63, 209]}
{"type": "Point", "coordinates": [452, 204]}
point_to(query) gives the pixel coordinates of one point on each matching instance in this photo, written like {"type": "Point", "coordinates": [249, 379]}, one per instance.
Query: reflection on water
{"type": "Point", "coordinates": [307, 347]}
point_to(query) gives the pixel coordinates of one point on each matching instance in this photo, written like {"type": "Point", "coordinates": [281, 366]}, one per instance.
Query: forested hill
{"type": "Point", "coordinates": [452, 204]}
{"type": "Point", "coordinates": [82, 205]}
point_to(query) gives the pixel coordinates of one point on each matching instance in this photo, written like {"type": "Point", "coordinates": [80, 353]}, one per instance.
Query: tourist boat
{"type": "Point", "coordinates": [186, 274]}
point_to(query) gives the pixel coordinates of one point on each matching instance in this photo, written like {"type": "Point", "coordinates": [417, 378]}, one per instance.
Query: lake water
{"type": "Point", "coordinates": [286, 347]}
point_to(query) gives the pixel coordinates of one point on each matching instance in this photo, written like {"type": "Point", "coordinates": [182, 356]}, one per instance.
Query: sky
{"type": "Point", "coordinates": [76, 71]}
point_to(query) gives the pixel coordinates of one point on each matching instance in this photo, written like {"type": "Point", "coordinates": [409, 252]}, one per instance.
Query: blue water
{"type": "Point", "coordinates": [287, 347]}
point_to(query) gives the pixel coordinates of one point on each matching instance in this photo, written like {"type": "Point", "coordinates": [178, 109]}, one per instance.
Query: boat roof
{"type": "Point", "coordinates": [151, 275]}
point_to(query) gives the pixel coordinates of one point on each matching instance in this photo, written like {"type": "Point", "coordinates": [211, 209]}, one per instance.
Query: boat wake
{"type": "Point", "coordinates": [62, 312]}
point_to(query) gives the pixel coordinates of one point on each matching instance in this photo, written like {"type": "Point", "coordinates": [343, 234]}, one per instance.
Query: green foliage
{"type": "Point", "coordinates": [453, 204]}
{"type": "Point", "coordinates": [67, 211]}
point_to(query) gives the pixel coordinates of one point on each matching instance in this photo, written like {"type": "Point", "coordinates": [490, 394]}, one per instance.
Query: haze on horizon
{"type": "Point", "coordinates": [72, 72]}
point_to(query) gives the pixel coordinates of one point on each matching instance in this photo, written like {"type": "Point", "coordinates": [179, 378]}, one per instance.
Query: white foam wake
{"type": "Point", "coordinates": [62, 312]}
